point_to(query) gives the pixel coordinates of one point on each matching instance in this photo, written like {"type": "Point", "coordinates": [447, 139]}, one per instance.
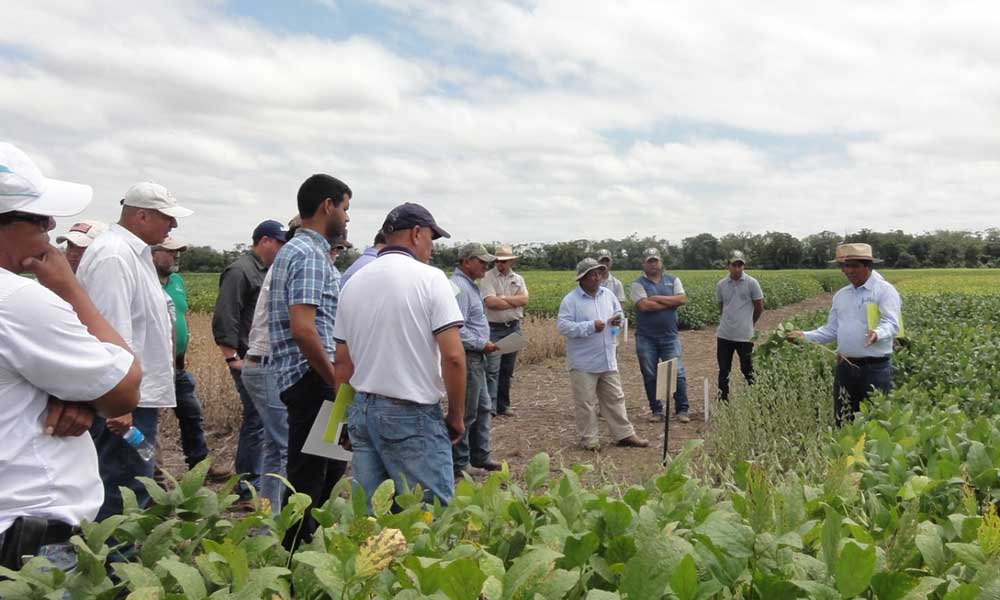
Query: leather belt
{"type": "Point", "coordinates": [503, 325]}
{"type": "Point", "coordinates": [256, 359]}
{"type": "Point", "coordinates": [868, 360]}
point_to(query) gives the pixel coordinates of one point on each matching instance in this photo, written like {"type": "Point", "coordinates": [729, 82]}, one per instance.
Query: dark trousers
{"type": "Point", "coordinates": [250, 448]}
{"type": "Point", "coordinates": [724, 354]}
{"type": "Point", "coordinates": [500, 368]}
{"type": "Point", "coordinates": [189, 419]}
{"type": "Point", "coordinates": [854, 382]}
{"type": "Point", "coordinates": [308, 473]}
{"type": "Point", "coordinates": [120, 464]}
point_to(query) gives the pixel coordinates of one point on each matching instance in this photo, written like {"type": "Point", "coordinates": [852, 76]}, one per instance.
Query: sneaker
{"type": "Point", "coordinates": [489, 466]}
{"type": "Point", "coordinates": [218, 474]}
{"type": "Point", "coordinates": [683, 417]}
{"type": "Point", "coordinates": [656, 417]}
{"type": "Point", "coordinates": [474, 472]}
{"type": "Point", "coordinates": [633, 441]}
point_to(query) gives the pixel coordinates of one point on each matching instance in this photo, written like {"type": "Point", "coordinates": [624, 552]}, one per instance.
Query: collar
{"type": "Point", "coordinates": [257, 261]}
{"type": "Point", "coordinates": [137, 245]}
{"type": "Point", "coordinates": [464, 275]}
{"type": "Point", "coordinates": [397, 250]}
{"type": "Point", "coordinates": [742, 277]}
{"type": "Point", "coordinates": [370, 251]}
{"type": "Point", "coordinates": [315, 236]}
{"type": "Point", "coordinates": [497, 272]}
{"type": "Point", "coordinates": [600, 290]}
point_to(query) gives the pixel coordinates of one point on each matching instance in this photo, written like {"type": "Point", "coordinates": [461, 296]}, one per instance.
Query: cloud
{"type": "Point", "coordinates": [519, 121]}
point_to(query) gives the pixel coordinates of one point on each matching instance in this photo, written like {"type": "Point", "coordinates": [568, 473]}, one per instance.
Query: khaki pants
{"type": "Point", "coordinates": [599, 394]}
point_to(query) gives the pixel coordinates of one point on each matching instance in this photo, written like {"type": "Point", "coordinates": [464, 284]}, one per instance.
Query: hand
{"type": "Point", "coordinates": [490, 347]}
{"type": "Point", "coordinates": [598, 326]}
{"type": "Point", "coordinates": [119, 425]}
{"type": "Point", "coordinates": [615, 320]}
{"type": "Point", "coordinates": [53, 271]}
{"type": "Point", "coordinates": [67, 419]}
{"type": "Point", "coordinates": [871, 338]}
{"type": "Point", "coordinates": [235, 365]}
{"type": "Point", "coordinates": [456, 428]}
{"type": "Point", "coordinates": [795, 336]}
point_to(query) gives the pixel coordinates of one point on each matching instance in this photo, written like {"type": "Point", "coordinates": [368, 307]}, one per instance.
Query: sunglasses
{"type": "Point", "coordinates": [40, 220]}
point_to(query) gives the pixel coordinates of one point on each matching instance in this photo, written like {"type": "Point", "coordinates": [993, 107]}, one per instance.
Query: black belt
{"type": "Point", "coordinates": [256, 359]}
{"type": "Point", "coordinates": [399, 401]}
{"type": "Point", "coordinates": [27, 535]}
{"type": "Point", "coordinates": [503, 325]}
{"type": "Point", "coordinates": [867, 360]}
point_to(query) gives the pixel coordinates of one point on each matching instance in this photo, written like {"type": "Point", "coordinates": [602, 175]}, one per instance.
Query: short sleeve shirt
{"type": "Point", "coordinates": [737, 298]}
{"type": "Point", "coordinates": [389, 315]}
{"type": "Point", "coordinates": [638, 292]}
{"type": "Point", "coordinates": [178, 295]}
{"type": "Point", "coordinates": [47, 350]}
{"type": "Point", "coordinates": [497, 284]}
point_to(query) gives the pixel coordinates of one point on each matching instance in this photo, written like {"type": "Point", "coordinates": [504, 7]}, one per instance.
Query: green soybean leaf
{"type": "Point", "coordinates": [931, 547]}
{"type": "Point", "coordinates": [830, 539]}
{"type": "Point", "coordinates": [892, 585]}
{"type": "Point", "coordinates": [187, 577]}
{"type": "Point", "coordinates": [527, 570]}
{"type": "Point", "coordinates": [966, 591]}
{"type": "Point", "coordinates": [578, 549]}
{"type": "Point", "coordinates": [382, 498]}
{"type": "Point", "coordinates": [854, 569]}
{"type": "Point", "coordinates": [536, 472]}
{"type": "Point", "coordinates": [684, 580]}
{"type": "Point", "coordinates": [462, 579]}
{"type": "Point", "coordinates": [617, 517]}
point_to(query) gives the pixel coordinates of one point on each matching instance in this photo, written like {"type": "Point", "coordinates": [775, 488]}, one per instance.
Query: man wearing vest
{"type": "Point", "coordinates": [863, 321]}
{"type": "Point", "coordinates": [656, 296]}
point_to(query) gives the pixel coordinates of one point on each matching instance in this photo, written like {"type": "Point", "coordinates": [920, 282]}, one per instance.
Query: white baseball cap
{"type": "Point", "coordinates": [23, 188]}
{"type": "Point", "coordinates": [83, 233]}
{"type": "Point", "coordinates": [147, 194]}
{"type": "Point", "coordinates": [170, 244]}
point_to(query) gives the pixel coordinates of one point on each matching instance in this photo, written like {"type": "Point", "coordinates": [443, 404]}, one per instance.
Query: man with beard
{"type": "Point", "coordinates": [239, 287]}
{"type": "Point", "coordinates": [303, 305]}
{"type": "Point", "coordinates": [118, 273]}
{"type": "Point", "coordinates": [188, 409]}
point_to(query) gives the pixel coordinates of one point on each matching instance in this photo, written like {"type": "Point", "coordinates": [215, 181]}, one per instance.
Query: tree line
{"type": "Point", "coordinates": [771, 250]}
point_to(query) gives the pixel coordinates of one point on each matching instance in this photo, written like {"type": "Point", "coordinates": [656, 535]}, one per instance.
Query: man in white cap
{"type": "Point", "coordinates": [505, 294]}
{"type": "Point", "coordinates": [118, 273]}
{"type": "Point", "coordinates": [610, 281]}
{"type": "Point", "coordinates": [55, 345]}
{"type": "Point", "coordinates": [863, 320]}
{"type": "Point", "coordinates": [741, 302]}
{"type": "Point", "coordinates": [78, 238]}
{"type": "Point", "coordinates": [588, 317]}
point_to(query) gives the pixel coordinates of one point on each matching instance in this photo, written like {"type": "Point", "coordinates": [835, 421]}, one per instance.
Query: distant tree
{"type": "Point", "coordinates": [819, 249]}
{"type": "Point", "coordinates": [905, 260]}
{"type": "Point", "coordinates": [780, 251]}
{"type": "Point", "coordinates": [700, 251]}
{"type": "Point", "coordinates": [203, 259]}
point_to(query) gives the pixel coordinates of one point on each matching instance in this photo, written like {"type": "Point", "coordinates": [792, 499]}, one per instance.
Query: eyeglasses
{"type": "Point", "coordinates": [39, 220]}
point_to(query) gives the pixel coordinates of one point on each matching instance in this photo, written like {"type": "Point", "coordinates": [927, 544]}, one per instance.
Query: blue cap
{"type": "Point", "coordinates": [409, 215]}
{"type": "Point", "coordinates": [271, 229]}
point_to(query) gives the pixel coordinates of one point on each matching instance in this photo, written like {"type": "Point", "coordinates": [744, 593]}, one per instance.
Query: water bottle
{"type": "Point", "coordinates": [616, 329]}
{"type": "Point", "coordinates": [138, 441]}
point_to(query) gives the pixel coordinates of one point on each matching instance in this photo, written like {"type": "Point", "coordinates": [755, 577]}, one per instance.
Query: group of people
{"type": "Point", "coordinates": [96, 343]}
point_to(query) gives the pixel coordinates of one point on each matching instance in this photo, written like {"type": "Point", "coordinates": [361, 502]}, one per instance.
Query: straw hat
{"type": "Point", "coordinates": [846, 252]}
{"type": "Point", "coordinates": [505, 252]}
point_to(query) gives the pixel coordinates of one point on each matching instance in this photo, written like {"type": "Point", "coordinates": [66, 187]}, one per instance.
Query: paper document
{"type": "Point", "coordinates": [329, 431]}
{"type": "Point", "coordinates": [512, 343]}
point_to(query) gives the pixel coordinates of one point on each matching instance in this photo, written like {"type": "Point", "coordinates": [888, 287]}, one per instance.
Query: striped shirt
{"type": "Point", "coordinates": [302, 273]}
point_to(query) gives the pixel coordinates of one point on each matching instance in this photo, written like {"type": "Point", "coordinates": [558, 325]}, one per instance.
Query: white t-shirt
{"type": "Point", "coordinates": [259, 342]}
{"type": "Point", "coordinates": [46, 350]}
{"type": "Point", "coordinates": [388, 315]}
{"type": "Point", "coordinates": [118, 273]}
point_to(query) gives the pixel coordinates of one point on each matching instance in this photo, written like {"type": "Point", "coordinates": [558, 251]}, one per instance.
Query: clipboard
{"type": "Point", "coordinates": [512, 343]}
{"type": "Point", "coordinates": [329, 431]}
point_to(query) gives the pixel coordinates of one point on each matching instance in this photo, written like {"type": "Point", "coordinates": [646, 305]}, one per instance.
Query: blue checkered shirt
{"type": "Point", "coordinates": [302, 273]}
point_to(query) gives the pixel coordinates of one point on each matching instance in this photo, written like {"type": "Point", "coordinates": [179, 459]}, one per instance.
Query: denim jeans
{"type": "Point", "coordinates": [855, 383]}
{"type": "Point", "coordinates": [651, 351]}
{"type": "Point", "coordinates": [500, 368]}
{"type": "Point", "coordinates": [262, 386]}
{"type": "Point", "coordinates": [248, 448]}
{"type": "Point", "coordinates": [189, 419]}
{"type": "Point", "coordinates": [474, 445]}
{"type": "Point", "coordinates": [120, 464]}
{"type": "Point", "coordinates": [724, 355]}
{"type": "Point", "coordinates": [309, 474]}
{"type": "Point", "coordinates": [402, 441]}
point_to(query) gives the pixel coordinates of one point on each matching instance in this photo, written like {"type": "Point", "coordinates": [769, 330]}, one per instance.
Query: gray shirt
{"type": "Point", "coordinates": [737, 297]}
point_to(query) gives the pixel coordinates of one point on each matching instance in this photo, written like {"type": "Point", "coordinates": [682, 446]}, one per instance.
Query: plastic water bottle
{"type": "Point", "coordinates": [138, 441]}
{"type": "Point", "coordinates": [616, 329]}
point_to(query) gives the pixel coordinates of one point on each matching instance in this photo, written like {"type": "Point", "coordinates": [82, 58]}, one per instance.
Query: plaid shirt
{"type": "Point", "coordinates": [302, 273]}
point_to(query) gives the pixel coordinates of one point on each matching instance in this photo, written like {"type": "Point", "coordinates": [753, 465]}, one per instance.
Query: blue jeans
{"type": "Point", "coordinates": [248, 449]}
{"type": "Point", "coordinates": [500, 368]}
{"type": "Point", "coordinates": [475, 442]}
{"type": "Point", "coordinates": [402, 441]}
{"type": "Point", "coordinates": [651, 351]}
{"type": "Point", "coordinates": [262, 386]}
{"type": "Point", "coordinates": [189, 419]}
{"type": "Point", "coordinates": [120, 464]}
{"type": "Point", "coordinates": [854, 383]}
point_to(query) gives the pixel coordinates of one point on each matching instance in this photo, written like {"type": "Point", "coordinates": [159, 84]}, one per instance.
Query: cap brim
{"type": "Point", "coordinates": [844, 259]}
{"type": "Point", "coordinates": [486, 257]}
{"type": "Point", "coordinates": [438, 232]}
{"type": "Point", "coordinates": [80, 239]}
{"type": "Point", "coordinates": [649, 258]}
{"type": "Point", "coordinates": [584, 274]}
{"type": "Point", "coordinates": [505, 258]}
{"type": "Point", "coordinates": [176, 212]}
{"type": "Point", "coordinates": [61, 199]}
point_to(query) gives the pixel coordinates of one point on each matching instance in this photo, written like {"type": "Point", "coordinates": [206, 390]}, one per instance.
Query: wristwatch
{"type": "Point", "coordinates": [232, 359]}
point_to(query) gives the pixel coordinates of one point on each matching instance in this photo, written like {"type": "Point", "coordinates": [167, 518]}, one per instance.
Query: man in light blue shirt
{"type": "Point", "coordinates": [370, 254]}
{"type": "Point", "coordinates": [472, 451]}
{"type": "Point", "coordinates": [589, 317]}
{"type": "Point", "coordinates": [864, 352]}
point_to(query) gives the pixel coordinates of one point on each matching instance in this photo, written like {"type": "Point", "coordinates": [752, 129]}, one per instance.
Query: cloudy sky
{"type": "Point", "coordinates": [520, 121]}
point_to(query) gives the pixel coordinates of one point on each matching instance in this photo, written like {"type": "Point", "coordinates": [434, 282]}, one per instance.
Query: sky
{"type": "Point", "coordinates": [519, 121]}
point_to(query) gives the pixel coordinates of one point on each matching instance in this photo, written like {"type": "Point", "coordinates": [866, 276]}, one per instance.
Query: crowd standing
{"type": "Point", "coordinates": [410, 342]}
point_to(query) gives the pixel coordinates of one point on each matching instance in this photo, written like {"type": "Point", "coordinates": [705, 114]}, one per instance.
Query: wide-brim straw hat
{"type": "Point", "coordinates": [846, 252]}
{"type": "Point", "coordinates": [505, 252]}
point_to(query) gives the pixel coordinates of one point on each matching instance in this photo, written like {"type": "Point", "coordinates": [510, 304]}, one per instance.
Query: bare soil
{"type": "Point", "coordinates": [542, 419]}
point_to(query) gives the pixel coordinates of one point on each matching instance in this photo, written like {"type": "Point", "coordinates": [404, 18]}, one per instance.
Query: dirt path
{"type": "Point", "coordinates": [543, 405]}
{"type": "Point", "coordinates": [543, 419]}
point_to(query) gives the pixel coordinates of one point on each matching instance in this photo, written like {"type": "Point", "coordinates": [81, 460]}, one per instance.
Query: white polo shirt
{"type": "Point", "coordinates": [118, 273]}
{"type": "Point", "coordinates": [46, 350]}
{"type": "Point", "coordinates": [388, 315]}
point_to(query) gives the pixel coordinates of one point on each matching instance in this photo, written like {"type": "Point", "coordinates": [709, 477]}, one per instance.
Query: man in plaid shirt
{"type": "Point", "coordinates": [303, 304]}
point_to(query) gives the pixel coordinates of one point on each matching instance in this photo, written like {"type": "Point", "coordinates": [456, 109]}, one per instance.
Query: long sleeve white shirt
{"type": "Point", "coordinates": [847, 323]}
